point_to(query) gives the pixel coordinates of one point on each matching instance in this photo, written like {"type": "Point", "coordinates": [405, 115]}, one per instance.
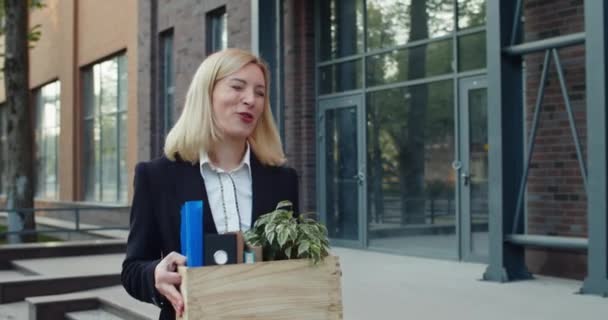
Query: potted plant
{"type": "Point", "coordinates": [285, 236]}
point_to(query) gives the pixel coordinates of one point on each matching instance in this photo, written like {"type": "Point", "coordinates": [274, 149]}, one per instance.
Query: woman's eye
{"type": "Point", "coordinates": [260, 94]}
{"type": "Point", "coordinates": [238, 88]}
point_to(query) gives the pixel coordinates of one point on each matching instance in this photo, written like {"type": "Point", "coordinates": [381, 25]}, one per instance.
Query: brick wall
{"type": "Point", "coordinates": [187, 19]}
{"type": "Point", "coordinates": [299, 109]}
{"type": "Point", "coordinates": [556, 196]}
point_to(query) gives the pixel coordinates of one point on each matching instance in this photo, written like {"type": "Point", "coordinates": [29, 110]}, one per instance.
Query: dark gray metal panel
{"type": "Point", "coordinates": [270, 46]}
{"type": "Point", "coordinates": [505, 131]}
{"type": "Point", "coordinates": [596, 27]}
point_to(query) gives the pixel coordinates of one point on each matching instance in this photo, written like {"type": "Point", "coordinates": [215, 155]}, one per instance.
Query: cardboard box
{"type": "Point", "coordinates": [270, 290]}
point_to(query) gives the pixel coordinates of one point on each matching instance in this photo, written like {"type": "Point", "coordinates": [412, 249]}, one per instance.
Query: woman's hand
{"type": "Point", "coordinates": [166, 279]}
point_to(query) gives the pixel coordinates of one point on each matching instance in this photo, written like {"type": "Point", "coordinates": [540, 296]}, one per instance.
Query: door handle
{"type": "Point", "coordinates": [466, 177]}
{"type": "Point", "coordinates": [360, 177]}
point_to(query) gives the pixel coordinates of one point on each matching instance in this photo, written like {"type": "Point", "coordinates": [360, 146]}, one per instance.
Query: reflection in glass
{"type": "Point", "coordinates": [341, 173]}
{"type": "Point", "coordinates": [398, 22]}
{"type": "Point", "coordinates": [123, 184]}
{"type": "Point", "coordinates": [89, 164]}
{"type": "Point", "coordinates": [109, 155]}
{"type": "Point", "coordinates": [341, 28]}
{"type": "Point", "coordinates": [217, 30]}
{"type": "Point", "coordinates": [410, 147]}
{"type": "Point", "coordinates": [3, 149]}
{"type": "Point", "coordinates": [471, 13]}
{"type": "Point", "coordinates": [421, 61]}
{"type": "Point", "coordinates": [46, 140]}
{"type": "Point", "coordinates": [340, 77]}
{"type": "Point", "coordinates": [105, 97]}
{"type": "Point", "coordinates": [472, 51]}
{"type": "Point", "coordinates": [122, 82]}
{"type": "Point", "coordinates": [108, 74]}
{"type": "Point", "coordinates": [478, 166]}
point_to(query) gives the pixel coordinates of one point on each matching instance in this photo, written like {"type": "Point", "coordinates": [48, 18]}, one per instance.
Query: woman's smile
{"type": "Point", "coordinates": [246, 117]}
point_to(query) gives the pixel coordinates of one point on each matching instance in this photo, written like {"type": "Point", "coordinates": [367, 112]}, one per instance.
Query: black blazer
{"type": "Point", "coordinates": [161, 187]}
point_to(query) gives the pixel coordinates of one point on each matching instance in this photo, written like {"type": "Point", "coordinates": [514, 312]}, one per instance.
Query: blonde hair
{"type": "Point", "coordinates": [196, 129]}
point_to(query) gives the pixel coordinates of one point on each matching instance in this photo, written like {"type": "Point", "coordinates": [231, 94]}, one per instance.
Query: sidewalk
{"type": "Point", "coordinates": [378, 286]}
{"type": "Point", "coordinates": [382, 286]}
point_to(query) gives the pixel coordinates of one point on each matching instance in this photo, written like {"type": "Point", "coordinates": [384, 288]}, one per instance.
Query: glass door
{"type": "Point", "coordinates": [473, 169]}
{"type": "Point", "coordinates": [341, 179]}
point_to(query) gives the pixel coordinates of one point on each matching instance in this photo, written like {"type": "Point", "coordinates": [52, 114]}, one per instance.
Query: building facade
{"type": "Point", "coordinates": [382, 106]}
{"type": "Point", "coordinates": [85, 116]}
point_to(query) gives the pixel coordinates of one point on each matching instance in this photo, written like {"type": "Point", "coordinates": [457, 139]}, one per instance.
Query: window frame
{"type": "Point", "coordinates": [41, 155]}
{"type": "Point", "coordinates": [216, 34]}
{"type": "Point", "coordinates": [96, 114]}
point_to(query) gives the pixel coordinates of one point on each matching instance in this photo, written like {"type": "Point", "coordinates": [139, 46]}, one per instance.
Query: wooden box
{"type": "Point", "coordinates": [288, 289]}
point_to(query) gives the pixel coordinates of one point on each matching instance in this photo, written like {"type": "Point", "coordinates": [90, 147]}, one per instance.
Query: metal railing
{"type": "Point", "coordinates": [71, 220]}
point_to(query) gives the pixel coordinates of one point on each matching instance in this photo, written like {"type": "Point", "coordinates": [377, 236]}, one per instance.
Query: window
{"type": "Point", "coordinates": [105, 131]}
{"type": "Point", "coordinates": [167, 85]}
{"type": "Point", "coordinates": [3, 149]}
{"type": "Point", "coordinates": [217, 31]}
{"type": "Point", "coordinates": [47, 114]}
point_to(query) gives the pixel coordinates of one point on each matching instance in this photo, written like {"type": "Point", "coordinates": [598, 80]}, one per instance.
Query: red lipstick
{"type": "Point", "coordinates": [246, 117]}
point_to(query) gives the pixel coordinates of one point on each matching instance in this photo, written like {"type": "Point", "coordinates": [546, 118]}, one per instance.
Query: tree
{"type": "Point", "coordinates": [20, 186]}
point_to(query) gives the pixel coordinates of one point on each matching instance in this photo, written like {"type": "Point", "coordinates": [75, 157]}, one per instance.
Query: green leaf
{"type": "Point", "coordinates": [283, 235]}
{"type": "Point", "coordinates": [263, 220]}
{"type": "Point", "coordinates": [303, 247]}
{"type": "Point", "coordinates": [307, 231]}
{"type": "Point", "coordinates": [285, 204]}
{"type": "Point", "coordinates": [269, 228]}
{"type": "Point", "coordinates": [293, 232]}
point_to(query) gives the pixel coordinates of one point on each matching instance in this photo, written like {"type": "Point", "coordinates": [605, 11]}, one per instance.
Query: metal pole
{"type": "Point", "coordinates": [505, 157]}
{"type": "Point", "coordinates": [545, 44]}
{"type": "Point", "coordinates": [577, 141]}
{"type": "Point", "coordinates": [569, 243]}
{"type": "Point", "coordinates": [516, 20]}
{"type": "Point", "coordinates": [596, 82]}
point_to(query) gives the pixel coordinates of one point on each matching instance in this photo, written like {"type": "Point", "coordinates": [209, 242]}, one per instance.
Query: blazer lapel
{"type": "Point", "coordinates": [190, 186]}
{"type": "Point", "coordinates": [259, 177]}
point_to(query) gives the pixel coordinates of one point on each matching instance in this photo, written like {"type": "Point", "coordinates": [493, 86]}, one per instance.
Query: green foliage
{"type": "Point", "coordinates": [35, 33]}
{"type": "Point", "coordinates": [283, 236]}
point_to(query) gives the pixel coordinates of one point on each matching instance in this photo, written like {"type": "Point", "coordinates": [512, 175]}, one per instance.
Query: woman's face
{"type": "Point", "coordinates": [238, 102]}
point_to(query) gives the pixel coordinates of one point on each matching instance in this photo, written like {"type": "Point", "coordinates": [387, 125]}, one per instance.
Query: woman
{"type": "Point", "coordinates": [223, 150]}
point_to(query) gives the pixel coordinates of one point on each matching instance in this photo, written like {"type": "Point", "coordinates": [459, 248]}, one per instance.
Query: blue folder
{"type": "Point", "coordinates": [191, 233]}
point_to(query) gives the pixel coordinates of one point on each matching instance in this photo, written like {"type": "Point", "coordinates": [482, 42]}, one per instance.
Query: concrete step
{"type": "Point", "coordinates": [18, 290]}
{"type": "Point", "coordinates": [11, 252]}
{"type": "Point", "coordinates": [113, 300]}
{"type": "Point", "coordinates": [96, 314]}
{"type": "Point", "coordinates": [16, 310]}
{"type": "Point", "coordinates": [83, 265]}
{"type": "Point", "coordinates": [46, 276]}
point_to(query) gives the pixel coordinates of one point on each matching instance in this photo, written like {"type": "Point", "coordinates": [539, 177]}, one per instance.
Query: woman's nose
{"type": "Point", "coordinates": [248, 97]}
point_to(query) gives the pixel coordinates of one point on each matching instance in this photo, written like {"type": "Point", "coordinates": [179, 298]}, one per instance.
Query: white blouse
{"type": "Point", "coordinates": [229, 193]}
